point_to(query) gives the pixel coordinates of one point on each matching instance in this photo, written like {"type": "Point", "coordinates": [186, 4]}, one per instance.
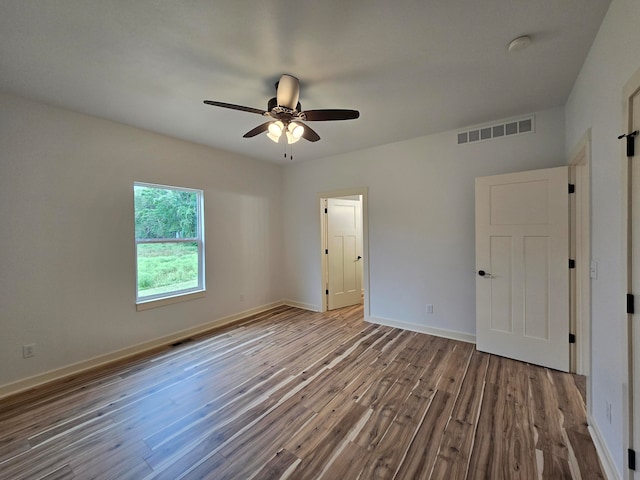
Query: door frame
{"type": "Point", "coordinates": [629, 390]}
{"type": "Point", "coordinates": [336, 257]}
{"type": "Point", "coordinates": [580, 281]}
{"type": "Point", "coordinates": [347, 192]}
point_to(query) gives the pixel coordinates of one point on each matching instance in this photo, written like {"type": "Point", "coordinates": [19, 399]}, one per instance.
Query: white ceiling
{"type": "Point", "coordinates": [411, 67]}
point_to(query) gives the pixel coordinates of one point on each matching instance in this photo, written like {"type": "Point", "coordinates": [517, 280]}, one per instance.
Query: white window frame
{"type": "Point", "coordinates": [166, 298]}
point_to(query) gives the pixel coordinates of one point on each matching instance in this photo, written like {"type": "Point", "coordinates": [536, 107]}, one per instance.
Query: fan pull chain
{"type": "Point", "coordinates": [290, 152]}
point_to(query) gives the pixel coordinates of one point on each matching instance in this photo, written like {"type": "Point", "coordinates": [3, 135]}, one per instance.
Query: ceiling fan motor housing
{"type": "Point", "coordinates": [273, 103]}
{"type": "Point", "coordinates": [288, 91]}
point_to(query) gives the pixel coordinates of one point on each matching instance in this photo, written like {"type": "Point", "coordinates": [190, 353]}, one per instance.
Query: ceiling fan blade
{"type": "Point", "coordinates": [235, 107]}
{"type": "Point", "coordinates": [288, 91]}
{"type": "Point", "coordinates": [332, 114]}
{"type": "Point", "coordinates": [310, 134]}
{"type": "Point", "coordinates": [258, 130]}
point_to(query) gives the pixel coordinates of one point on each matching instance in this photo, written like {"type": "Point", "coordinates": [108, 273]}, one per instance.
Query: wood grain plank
{"type": "Point", "coordinates": [546, 415]}
{"type": "Point", "coordinates": [209, 467]}
{"type": "Point", "coordinates": [251, 450]}
{"type": "Point", "coordinates": [586, 455]}
{"type": "Point", "coordinates": [208, 434]}
{"type": "Point", "coordinates": [421, 454]}
{"type": "Point", "coordinates": [320, 457]}
{"type": "Point", "coordinates": [456, 367]}
{"type": "Point", "coordinates": [554, 468]}
{"type": "Point", "coordinates": [468, 401]}
{"type": "Point", "coordinates": [293, 394]}
{"type": "Point", "coordinates": [376, 427]}
{"type": "Point", "coordinates": [226, 405]}
{"type": "Point", "coordinates": [487, 454]}
{"type": "Point", "coordinates": [277, 467]}
{"type": "Point", "coordinates": [348, 464]}
{"type": "Point", "coordinates": [63, 473]}
{"type": "Point", "coordinates": [452, 461]}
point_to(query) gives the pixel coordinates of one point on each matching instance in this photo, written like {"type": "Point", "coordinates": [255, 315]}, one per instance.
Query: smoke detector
{"type": "Point", "coordinates": [520, 43]}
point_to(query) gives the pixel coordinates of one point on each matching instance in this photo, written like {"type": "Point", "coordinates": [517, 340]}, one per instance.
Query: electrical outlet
{"type": "Point", "coordinates": [429, 307]}
{"type": "Point", "coordinates": [29, 351]}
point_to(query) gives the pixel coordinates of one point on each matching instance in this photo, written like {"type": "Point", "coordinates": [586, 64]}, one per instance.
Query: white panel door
{"type": "Point", "coordinates": [634, 326]}
{"type": "Point", "coordinates": [522, 271]}
{"type": "Point", "coordinates": [344, 256]}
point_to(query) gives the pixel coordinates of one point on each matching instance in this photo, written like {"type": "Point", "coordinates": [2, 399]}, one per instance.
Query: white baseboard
{"type": "Point", "coordinates": [85, 365]}
{"type": "Point", "coordinates": [304, 306]}
{"type": "Point", "coordinates": [606, 460]}
{"type": "Point", "coordinates": [438, 332]}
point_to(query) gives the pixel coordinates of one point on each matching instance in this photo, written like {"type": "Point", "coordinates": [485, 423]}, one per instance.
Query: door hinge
{"type": "Point", "coordinates": [631, 455]}
{"type": "Point", "coordinates": [572, 338]}
{"type": "Point", "coordinates": [631, 303]}
{"type": "Point", "coordinates": [326, 251]}
{"type": "Point", "coordinates": [630, 142]}
{"type": "Point", "coordinates": [572, 188]}
{"type": "Point", "coordinates": [326, 292]}
{"type": "Point", "coordinates": [326, 210]}
{"type": "Point", "coordinates": [572, 263]}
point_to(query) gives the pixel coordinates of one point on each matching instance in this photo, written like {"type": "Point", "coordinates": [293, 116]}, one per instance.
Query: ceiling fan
{"type": "Point", "coordinates": [287, 115]}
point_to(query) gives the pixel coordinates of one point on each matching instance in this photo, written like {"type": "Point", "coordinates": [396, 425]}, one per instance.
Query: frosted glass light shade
{"type": "Point", "coordinates": [275, 130]}
{"type": "Point", "coordinates": [294, 132]}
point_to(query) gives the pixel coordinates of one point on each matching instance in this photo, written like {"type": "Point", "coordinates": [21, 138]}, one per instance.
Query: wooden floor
{"type": "Point", "coordinates": [302, 395]}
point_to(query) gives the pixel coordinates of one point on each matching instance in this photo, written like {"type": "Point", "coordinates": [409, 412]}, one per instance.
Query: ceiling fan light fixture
{"type": "Point", "coordinates": [296, 130]}
{"type": "Point", "coordinates": [285, 114]}
{"type": "Point", "coordinates": [275, 130]}
{"type": "Point", "coordinates": [290, 138]}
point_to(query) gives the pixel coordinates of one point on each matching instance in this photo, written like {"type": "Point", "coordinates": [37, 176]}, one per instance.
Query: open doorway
{"type": "Point", "coordinates": [344, 248]}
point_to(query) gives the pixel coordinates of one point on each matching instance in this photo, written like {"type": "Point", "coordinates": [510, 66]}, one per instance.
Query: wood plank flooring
{"type": "Point", "coordinates": [291, 394]}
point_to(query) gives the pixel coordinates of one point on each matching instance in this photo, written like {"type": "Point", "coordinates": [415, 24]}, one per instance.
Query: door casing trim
{"type": "Point", "coordinates": [581, 244]}
{"type": "Point", "coordinates": [630, 88]}
{"type": "Point", "coordinates": [346, 192]}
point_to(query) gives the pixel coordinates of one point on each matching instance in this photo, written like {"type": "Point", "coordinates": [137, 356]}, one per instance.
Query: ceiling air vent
{"type": "Point", "coordinates": [503, 129]}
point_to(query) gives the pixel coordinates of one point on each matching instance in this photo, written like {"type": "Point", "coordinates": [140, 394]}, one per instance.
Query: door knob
{"type": "Point", "coordinates": [482, 273]}
{"type": "Point", "coordinates": [359, 258]}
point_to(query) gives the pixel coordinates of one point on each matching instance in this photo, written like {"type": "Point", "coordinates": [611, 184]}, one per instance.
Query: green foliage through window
{"type": "Point", "coordinates": [165, 213]}
{"type": "Point", "coordinates": [169, 243]}
{"type": "Point", "coordinates": [165, 267]}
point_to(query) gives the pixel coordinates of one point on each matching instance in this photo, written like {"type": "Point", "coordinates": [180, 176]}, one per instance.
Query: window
{"type": "Point", "coordinates": [169, 241]}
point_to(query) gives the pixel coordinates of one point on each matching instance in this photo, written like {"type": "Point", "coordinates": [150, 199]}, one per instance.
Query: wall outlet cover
{"type": "Point", "coordinates": [29, 351]}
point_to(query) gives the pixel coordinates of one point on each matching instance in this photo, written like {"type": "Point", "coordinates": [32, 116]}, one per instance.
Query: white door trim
{"type": "Point", "coordinates": [632, 86]}
{"type": "Point", "coordinates": [343, 251]}
{"type": "Point", "coordinates": [580, 171]}
{"type": "Point", "coordinates": [347, 192]}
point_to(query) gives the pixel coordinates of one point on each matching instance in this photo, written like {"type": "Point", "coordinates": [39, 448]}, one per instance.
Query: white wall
{"type": "Point", "coordinates": [421, 218]}
{"type": "Point", "coordinates": [596, 103]}
{"type": "Point", "coordinates": [67, 273]}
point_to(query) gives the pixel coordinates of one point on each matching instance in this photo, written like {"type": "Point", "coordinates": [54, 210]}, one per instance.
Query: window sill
{"type": "Point", "coordinates": [161, 302]}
